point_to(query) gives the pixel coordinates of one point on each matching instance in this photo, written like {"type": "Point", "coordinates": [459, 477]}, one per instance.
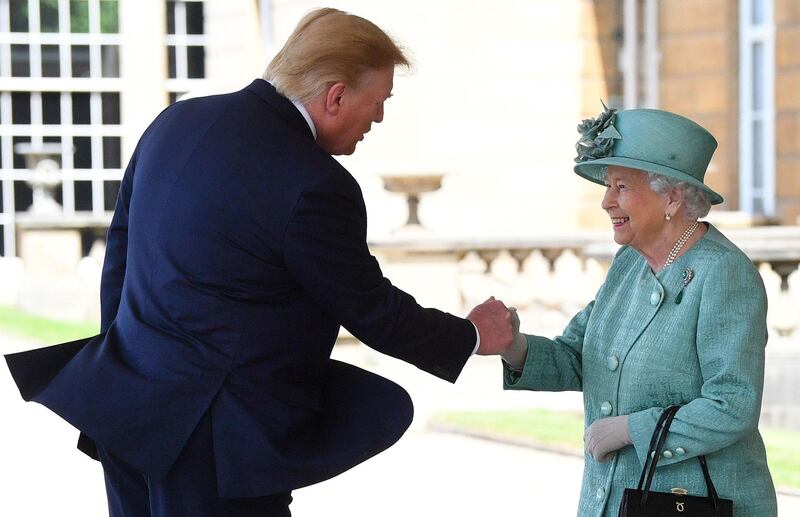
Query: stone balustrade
{"type": "Point", "coordinates": [564, 272]}
{"type": "Point", "coordinates": [553, 273]}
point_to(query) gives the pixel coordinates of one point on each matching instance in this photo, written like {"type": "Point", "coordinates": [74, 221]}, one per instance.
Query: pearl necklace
{"type": "Point", "coordinates": [685, 236]}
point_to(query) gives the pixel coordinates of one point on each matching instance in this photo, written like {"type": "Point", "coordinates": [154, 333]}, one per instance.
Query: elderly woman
{"type": "Point", "coordinates": [680, 319]}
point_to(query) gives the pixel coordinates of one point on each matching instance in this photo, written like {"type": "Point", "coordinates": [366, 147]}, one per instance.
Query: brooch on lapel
{"type": "Point", "coordinates": [687, 276]}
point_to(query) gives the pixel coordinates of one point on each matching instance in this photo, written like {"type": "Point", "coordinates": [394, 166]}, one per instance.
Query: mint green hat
{"type": "Point", "coordinates": [649, 140]}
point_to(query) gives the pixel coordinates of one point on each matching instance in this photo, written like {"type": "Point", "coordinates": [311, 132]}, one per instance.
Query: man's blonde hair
{"type": "Point", "coordinates": [330, 46]}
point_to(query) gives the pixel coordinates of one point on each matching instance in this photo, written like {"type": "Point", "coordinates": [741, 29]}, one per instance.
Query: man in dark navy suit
{"type": "Point", "coordinates": [237, 249]}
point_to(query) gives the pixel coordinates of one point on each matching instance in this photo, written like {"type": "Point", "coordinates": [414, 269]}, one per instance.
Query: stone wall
{"type": "Point", "coordinates": [699, 47]}
{"type": "Point", "coordinates": [787, 107]}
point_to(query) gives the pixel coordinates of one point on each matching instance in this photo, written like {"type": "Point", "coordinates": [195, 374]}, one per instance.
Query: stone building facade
{"type": "Point", "coordinates": [733, 66]}
{"type": "Point", "coordinates": [490, 105]}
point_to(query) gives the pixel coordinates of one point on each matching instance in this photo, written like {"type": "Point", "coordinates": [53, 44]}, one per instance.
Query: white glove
{"type": "Point", "coordinates": [516, 353]}
{"type": "Point", "coordinates": [606, 436]}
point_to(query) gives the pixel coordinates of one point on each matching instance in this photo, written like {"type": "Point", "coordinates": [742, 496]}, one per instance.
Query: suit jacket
{"type": "Point", "coordinates": [237, 249]}
{"type": "Point", "coordinates": [634, 351]}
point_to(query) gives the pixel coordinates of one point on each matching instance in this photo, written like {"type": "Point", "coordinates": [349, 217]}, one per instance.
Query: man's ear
{"type": "Point", "coordinates": [333, 98]}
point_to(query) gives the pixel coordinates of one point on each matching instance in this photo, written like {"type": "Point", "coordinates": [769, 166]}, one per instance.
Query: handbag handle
{"type": "Point", "coordinates": [652, 447]}
{"type": "Point", "coordinates": [654, 452]}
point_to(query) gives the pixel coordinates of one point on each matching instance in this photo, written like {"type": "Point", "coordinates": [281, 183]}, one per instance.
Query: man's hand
{"type": "Point", "coordinates": [493, 321]}
{"type": "Point", "coordinates": [607, 435]}
{"type": "Point", "coordinates": [515, 354]}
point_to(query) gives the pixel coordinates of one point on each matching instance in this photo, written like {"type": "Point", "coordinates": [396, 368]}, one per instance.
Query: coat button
{"type": "Point", "coordinates": [601, 493]}
{"type": "Point", "coordinates": [613, 362]}
{"type": "Point", "coordinates": [680, 451]}
{"type": "Point", "coordinates": [655, 298]}
{"type": "Point", "coordinates": [667, 454]}
{"type": "Point", "coordinates": [605, 408]}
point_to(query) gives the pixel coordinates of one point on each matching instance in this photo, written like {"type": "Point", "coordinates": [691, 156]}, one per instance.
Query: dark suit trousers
{"type": "Point", "coordinates": [189, 490]}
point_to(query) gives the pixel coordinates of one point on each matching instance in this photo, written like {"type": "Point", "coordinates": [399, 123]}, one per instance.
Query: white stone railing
{"type": "Point", "coordinates": [549, 278]}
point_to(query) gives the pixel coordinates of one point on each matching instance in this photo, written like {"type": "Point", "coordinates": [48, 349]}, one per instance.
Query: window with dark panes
{"type": "Point", "coordinates": [196, 60]}
{"type": "Point", "coordinates": [48, 15]}
{"type": "Point", "coordinates": [19, 160]}
{"type": "Point", "coordinates": [83, 152]}
{"type": "Point", "coordinates": [185, 46]}
{"type": "Point", "coordinates": [81, 109]}
{"type": "Point", "coordinates": [51, 107]}
{"type": "Point", "coordinates": [170, 17]}
{"type": "Point", "coordinates": [83, 196]}
{"type": "Point", "coordinates": [112, 149]}
{"type": "Point", "coordinates": [194, 17]}
{"type": "Point", "coordinates": [62, 58]}
{"type": "Point", "coordinates": [110, 57]}
{"type": "Point", "coordinates": [51, 61]}
{"type": "Point", "coordinates": [81, 64]}
{"type": "Point", "coordinates": [20, 108]}
{"type": "Point", "coordinates": [172, 69]}
{"type": "Point", "coordinates": [23, 196]}
{"type": "Point", "coordinates": [18, 9]}
{"type": "Point", "coordinates": [110, 192]}
{"type": "Point", "coordinates": [110, 103]}
{"type": "Point", "coordinates": [20, 60]}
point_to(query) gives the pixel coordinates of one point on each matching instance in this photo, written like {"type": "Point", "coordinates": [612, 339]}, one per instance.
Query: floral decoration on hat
{"type": "Point", "coordinates": [597, 136]}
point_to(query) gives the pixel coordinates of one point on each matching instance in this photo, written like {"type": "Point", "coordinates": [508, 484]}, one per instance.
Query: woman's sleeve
{"type": "Point", "coordinates": [731, 336]}
{"type": "Point", "coordinates": [552, 364]}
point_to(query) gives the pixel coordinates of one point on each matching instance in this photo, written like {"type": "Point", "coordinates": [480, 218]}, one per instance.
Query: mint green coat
{"type": "Point", "coordinates": [634, 350]}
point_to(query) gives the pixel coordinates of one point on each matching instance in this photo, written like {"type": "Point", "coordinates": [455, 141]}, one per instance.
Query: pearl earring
{"type": "Point", "coordinates": [667, 216]}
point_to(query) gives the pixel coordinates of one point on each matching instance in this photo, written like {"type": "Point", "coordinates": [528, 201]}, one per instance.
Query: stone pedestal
{"type": "Point", "coordinates": [412, 186]}
{"type": "Point", "coordinates": [54, 282]}
{"type": "Point", "coordinates": [50, 260]}
{"type": "Point", "coordinates": [49, 253]}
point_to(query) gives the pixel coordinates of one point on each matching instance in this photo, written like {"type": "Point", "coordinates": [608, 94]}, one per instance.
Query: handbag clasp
{"type": "Point", "coordinates": [680, 491]}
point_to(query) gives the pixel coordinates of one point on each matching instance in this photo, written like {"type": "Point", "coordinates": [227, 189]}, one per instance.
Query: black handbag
{"type": "Point", "coordinates": [641, 502]}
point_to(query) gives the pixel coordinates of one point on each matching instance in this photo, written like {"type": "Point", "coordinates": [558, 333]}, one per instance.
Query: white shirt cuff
{"type": "Point", "coordinates": [477, 341]}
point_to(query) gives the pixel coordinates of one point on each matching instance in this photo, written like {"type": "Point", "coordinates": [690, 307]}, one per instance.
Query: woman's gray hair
{"type": "Point", "coordinates": [694, 198]}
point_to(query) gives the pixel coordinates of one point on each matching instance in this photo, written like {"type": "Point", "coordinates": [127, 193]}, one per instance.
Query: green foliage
{"type": "Point", "coordinates": [536, 425]}
{"type": "Point", "coordinates": [109, 16]}
{"type": "Point", "coordinates": [563, 429]}
{"type": "Point", "coordinates": [783, 455]}
{"type": "Point", "coordinates": [48, 14]}
{"type": "Point", "coordinates": [79, 16]}
{"type": "Point", "coordinates": [43, 330]}
{"type": "Point", "coordinates": [19, 15]}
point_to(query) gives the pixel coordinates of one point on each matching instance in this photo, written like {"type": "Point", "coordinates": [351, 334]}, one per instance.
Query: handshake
{"type": "Point", "coordinates": [498, 330]}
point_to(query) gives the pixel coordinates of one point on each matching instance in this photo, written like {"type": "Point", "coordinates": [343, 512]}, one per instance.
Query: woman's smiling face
{"type": "Point", "coordinates": [636, 211]}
